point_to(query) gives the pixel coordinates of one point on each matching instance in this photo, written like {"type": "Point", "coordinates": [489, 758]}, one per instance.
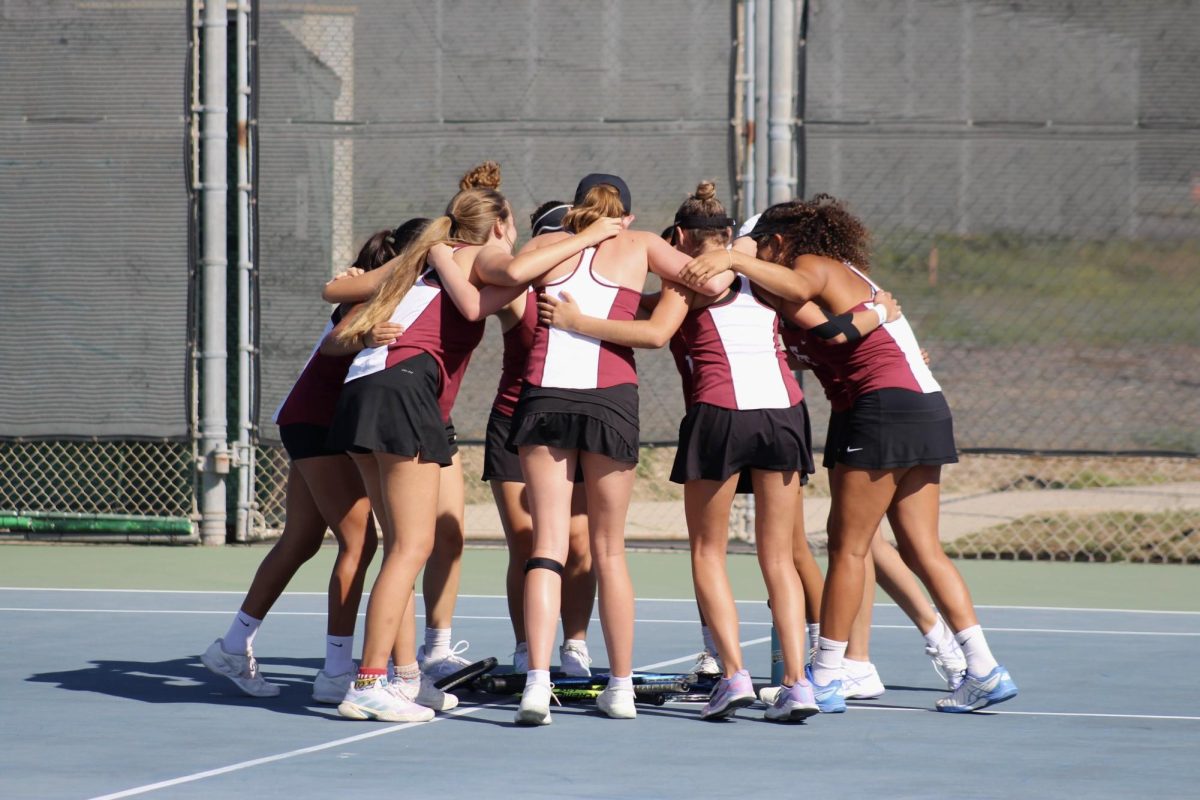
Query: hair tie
{"type": "Point", "coordinates": [453, 221]}
{"type": "Point", "coordinates": [390, 239]}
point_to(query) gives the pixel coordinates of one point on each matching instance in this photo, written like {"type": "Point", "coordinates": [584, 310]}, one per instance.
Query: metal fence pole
{"type": "Point", "coordinates": [245, 378]}
{"type": "Point", "coordinates": [214, 450]}
{"type": "Point", "coordinates": [783, 76]}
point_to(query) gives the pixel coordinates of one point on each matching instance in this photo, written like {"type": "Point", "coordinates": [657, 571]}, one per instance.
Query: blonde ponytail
{"type": "Point", "coordinates": [389, 294]}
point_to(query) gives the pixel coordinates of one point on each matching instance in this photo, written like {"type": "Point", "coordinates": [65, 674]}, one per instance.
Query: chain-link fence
{"type": "Point", "coordinates": [1031, 173]}
{"type": "Point", "coordinates": [94, 260]}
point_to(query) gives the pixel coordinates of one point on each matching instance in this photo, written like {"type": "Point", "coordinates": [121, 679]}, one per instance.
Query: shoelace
{"type": "Point", "coordinates": [579, 651]}
{"type": "Point", "coordinates": [455, 656]}
{"type": "Point", "coordinates": [251, 665]}
{"type": "Point", "coordinates": [401, 688]}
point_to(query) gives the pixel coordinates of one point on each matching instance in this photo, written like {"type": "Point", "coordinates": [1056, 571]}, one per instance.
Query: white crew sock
{"type": "Point", "coordinates": [339, 654]}
{"type": "Point", "coordinates": [709, 643]}
{"type": "Point", "coordinates": [980, 660]}
{"type": "Point", "coordinates": [827, 666]}
{"type": "Point", "coordinates": [436, 639]}
{"type": "Point", "coordinates": [814, 634]}
{"type": "Point", "coordinates": [239, 639]}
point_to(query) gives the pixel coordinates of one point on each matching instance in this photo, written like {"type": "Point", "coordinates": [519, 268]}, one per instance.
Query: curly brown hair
{"type": "Point", "coordinates": [821, 226]}
{"type": "Point", "coordinates": [481, 176]}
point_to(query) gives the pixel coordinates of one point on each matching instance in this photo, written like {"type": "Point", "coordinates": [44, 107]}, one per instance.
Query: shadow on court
{"type": "Point", "coordinates": [185, 680]}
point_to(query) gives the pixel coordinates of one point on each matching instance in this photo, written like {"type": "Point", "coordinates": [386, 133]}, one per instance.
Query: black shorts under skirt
{"type": "Point", "coordinates": [305, 440]}
{"type": "Point", "coordinates": [603, 421]}
{"type": "Point", "coordinates": [891, 429]}
{"type": "Point", "coordinates": [393, 411]}
{"type": "Point", "coordinates": [500, 463]}
{"type": "Point", "coordinates": [716, 442]}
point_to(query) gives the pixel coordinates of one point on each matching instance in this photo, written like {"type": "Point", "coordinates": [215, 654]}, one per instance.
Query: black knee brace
{"type": "Point", "coordinates": [544, 563]}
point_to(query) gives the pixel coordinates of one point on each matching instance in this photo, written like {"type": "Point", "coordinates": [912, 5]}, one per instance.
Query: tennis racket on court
{"type": "Point", "coordinates": [652, 682]}
{"type": "Point", "coordinates": [467, 675]}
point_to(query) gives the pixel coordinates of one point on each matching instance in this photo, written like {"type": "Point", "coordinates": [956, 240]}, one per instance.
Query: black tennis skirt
{"type": "Point", "coordinates": [305, 440]}
{"type": "Point", "coordinates": [891, 429]}
{"type": "Point", "coordinates": [500, 463]}
{"type": "Point", "coordinates": [603, 421]}
{"type": "Point", "coordinates": [393, 411]}
{"type": "Point", "coordinates": [716, 442]}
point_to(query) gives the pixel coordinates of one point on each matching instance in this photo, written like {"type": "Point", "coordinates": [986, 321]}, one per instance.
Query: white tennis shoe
{"type": "Point", "coordinates": [241, 669]}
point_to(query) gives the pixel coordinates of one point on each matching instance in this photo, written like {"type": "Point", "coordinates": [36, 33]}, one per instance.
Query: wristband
{"type": "Point", "coordinates": [880, 312]}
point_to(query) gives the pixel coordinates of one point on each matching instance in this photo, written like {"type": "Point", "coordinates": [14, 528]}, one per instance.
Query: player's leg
{"type": "Point", "coordinates": [549, 475]}
{"type": "Point", "coordinates": [579, 590]}
{"type": "Point", "coordinates": [338, 493]}
{"type": "Point", "coordinates": [860, 679]}
{"type": "Point", "coordinates": [438, 657]}
{"type": "Point", "coordinates": [899, 582]}
{"type": "Point", "coordinates": [232, 656]}
{"type": "Point", "coordinates": [914, 518]}
{"type": "Point", "coordinates": [609, 486]}
{"type": "Point", "coordinates": [706, 506]}
{"type": "Point", "coordinates": [517, 523]}
{"type": "Point", "coordinates": [810, 573]}
{"type": "Point", "coordinates": [775, 505]}
{"type": "Point", "coordinates": [860, 498]}
{"type": "Point", "coordinates": [405, 485]}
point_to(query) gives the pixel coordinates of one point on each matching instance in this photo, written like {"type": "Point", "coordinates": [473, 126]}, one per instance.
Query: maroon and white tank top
{"type": "Point", "coordinates": [735, 356]}
{"type": "Point", "coordinates": [433, 325]}
{"type": "Point", "coordinates": [314, 395]}
{"type": "Point", "coordinates": [518, 341]}
{"type": "Point", "coordinates": [566, 360]}
{"type": "Point", "coordinates": [886, 358]}
{"type": "Point", "coordinates": [812, 351]}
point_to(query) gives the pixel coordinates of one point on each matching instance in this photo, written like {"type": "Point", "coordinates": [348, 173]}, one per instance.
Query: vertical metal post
{"type": "Point", "coordinates": [783, 73]}
{"type": "Point", "coordinates": [762, 82]}
{"type": "Point", "coordinates": [749, 189]}
{"type": "Point", "coordinates": [214, 450]}
{"type": "Point", "coordinates": [245, 378]}
{"type": "Point", "coordinates": [800, 103]}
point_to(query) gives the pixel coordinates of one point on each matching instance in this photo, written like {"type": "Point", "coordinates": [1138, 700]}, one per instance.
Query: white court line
{"type": "Point", "coordinates": [254, 762]}
{"type": "Point", "coordinates": [692, 656]}
{"type": "Point", "coordinates": [1030, 713]}
{"type": "Point", "coordinates": [640, 599]}
{"type": "Point", "coordinates": [648, 620]}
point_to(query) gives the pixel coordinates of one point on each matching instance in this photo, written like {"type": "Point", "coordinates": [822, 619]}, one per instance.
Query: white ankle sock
{"type": "Point", "coordinates": [827, 666]}
{"type": "Point", "coordinates": [980, 660]}
{"type": "Point", "coordinates": [709, 643]}
{"type": "Point", "coordinates": [856, 669]}
{"type": "Point", "coordinates": [537, 676]}
{"type": "Point", "coordinates": [339, 654]}
{"type": "Point", "coordinates": [814, 633]}
{"type": "Point", "coordinates": [436, 639]}
{"type": "Point", "coordinates": [240, 637]}
{"type": "Point", "coordinates": [620, 683]}
{"type": "Point", "coordinates": [939, 635]}
{"type": "Point", "coordinates": [577, 643]}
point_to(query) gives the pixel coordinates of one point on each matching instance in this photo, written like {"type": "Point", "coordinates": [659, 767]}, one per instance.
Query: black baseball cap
{"type": "Point", "coordinates": [598, 178]}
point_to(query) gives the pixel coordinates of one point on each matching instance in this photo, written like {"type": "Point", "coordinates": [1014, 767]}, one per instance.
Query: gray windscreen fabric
{"type": "Point", "coordinates": [93, 220]}
{"type": "Point", "coordinates": [370, 112]}
{"type": "Point", "coordinates": [1029, 172]}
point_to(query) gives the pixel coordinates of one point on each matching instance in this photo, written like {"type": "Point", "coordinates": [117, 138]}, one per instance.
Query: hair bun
{"type": "Point", "coordinates": [482, 176]}
{"type": "Point", "coordinates": [705, 190]}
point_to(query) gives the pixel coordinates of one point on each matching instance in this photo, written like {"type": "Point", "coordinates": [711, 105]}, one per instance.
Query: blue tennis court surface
{"type": "Point", "coordinates": [104, 696]}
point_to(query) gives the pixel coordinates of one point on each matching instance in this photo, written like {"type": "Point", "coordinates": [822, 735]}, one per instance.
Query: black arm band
{"type": "Point", "coordinates": [842, 323]}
